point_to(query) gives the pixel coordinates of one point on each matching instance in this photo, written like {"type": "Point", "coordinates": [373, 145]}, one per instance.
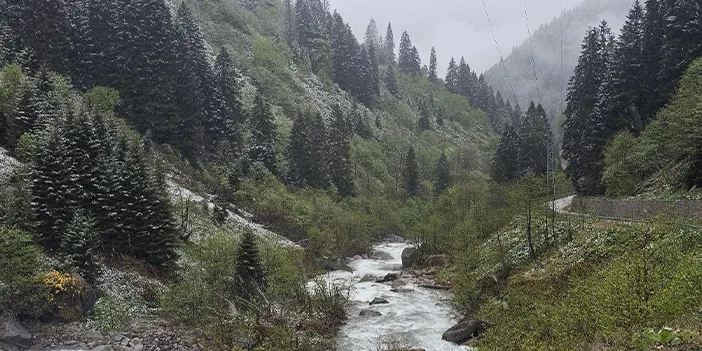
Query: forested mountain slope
{"type": "Point", "coordinates": [546, 41]}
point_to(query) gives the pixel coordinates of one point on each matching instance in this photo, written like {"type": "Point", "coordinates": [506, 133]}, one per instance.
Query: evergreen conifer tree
{"type": "Point", "coordinates": [263, 132]}
{"type": "Point", "coordinates": [307, 152]}
{"type": "Point", "coordinates": [432, 65]}
{"type": "Point", "coordinates": [442, 175]}
{"type": "Point", "coordinates": [225, 122]}
{"type": "Point", "coordinates": [424, 122]}
{"type": "Point", "coordinates": [250, 276]}
{"type": "Point", "coordinates": [652, 55]}
{"type": "Point", "coordinates": [534, 139]}
{"type": "Point", "coordinates": [411, 173]}
{"type": "Point", "coordinates": [340, 150]}
{"type": "Point", "coordinates": [452, 77]}
{"type": "Point", "coordinates": [406, 61]}
{"type": "Point", "coordinates": [505, 167]}
{"type": "Point", "coordinates": [80, 243]}
{"type": "Point", "coordinates": [389, 45]}
{"type": "Point", "coordinates": [391, 80]}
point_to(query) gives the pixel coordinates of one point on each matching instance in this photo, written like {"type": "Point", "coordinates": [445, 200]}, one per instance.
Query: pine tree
{"type": "Point", "coordinates": [80, 243]}
{"type": "Point", "coordinates": [465, 84]}
{"type": "Point", "coordinates": [683, 43]}
{"type": "Point", "coordinates": [442, 175]}
{"type": "Point", "coordinates": [424, 122]}
{"type": "Point", "coordinates": [389, 45]}
{"type": "Point", "coordinates": [411, 173]}
{"type": "Point", "coordinates": [583, 139]}
{"type": "Point", "coordinates": [534, 140]}
{"type": "Point", "coordinates": [652, 55]}
{"type": "Point", "coordinates": [307, 152]}
{"type": "Point", "coordinates": [340, 154]}
{"type": "Point", "coordinates": [263, 133]}
{"type": "Point", "coordinates": [364, 86]}
{"type": "Point", "coordinates": [225, 121]}
{"type": "Point", "coordinates": [416, 62]}
{"type": "Point", "coordinates": [193, 84]}
{"type": "Point", "coordinates": [452, 77]}
{"type": "Point", "coordinates": [505, 167]}
{"type": "Point", "coordinates": [406, 60]}
{"type": "Point", "coordinates": [250, 276]}
{"type": "Point", "coordinates": [432, 65]}
{"type": "Point", "coordinates": [312, 34]}
{"type": "Point", "coordinates": [372, 35]}
{"type": "Point", "coordinates": [43, 26]}
{"type": "Point", "coordinates": [103, 40]}
{"type": "Point", "coordinates": [374, 81]}
{"type": "Point", "coordinates": [391, 80]}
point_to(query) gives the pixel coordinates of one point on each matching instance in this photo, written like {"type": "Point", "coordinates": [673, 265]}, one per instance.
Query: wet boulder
{"type": "Point", "coordinates": [378, 301]}
{"type": "Point", "coordinates": [13, 333]}
{"type": "Point", "coordinates": [409, 257]}
{"type": "Point", "coordinates": [398, 283]}
{"type": "Point", "coordinates": [465, 330]}
{"type": "Point", "coordinates": [367, 278]}
{"type": "Point", "coordinates": [382, 256]}
{"type": "Point", "coordinates": [390, 277]}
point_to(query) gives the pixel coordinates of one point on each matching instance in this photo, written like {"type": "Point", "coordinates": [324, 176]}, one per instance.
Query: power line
{"type": "Point", "coordinates": [502, 60]}
{"type": "Point", "coordinates": [533, 60]}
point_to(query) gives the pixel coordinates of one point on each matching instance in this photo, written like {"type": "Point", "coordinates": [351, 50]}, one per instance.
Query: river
{"type": "Point", "coordinates": [418, 317]}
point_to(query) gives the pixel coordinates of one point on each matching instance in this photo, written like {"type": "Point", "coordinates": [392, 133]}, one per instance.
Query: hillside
{"type": "Point", "coordinates": [546, 41]}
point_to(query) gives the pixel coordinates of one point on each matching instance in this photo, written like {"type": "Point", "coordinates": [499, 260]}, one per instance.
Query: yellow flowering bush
{"type": "Point", "coordinates": [61, 284]}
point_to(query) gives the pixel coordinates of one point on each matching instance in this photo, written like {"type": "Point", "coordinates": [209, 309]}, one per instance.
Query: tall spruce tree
{"type": "Point", "coordinates": [410, 175]}
{"type": "Point", "coordinates": [80, 243]}
{"type": "Point", "coordinates": [263, 133]}
{"type": "Point", "coordinates": [225, 122]}
{"type": "Point", "coordinates": [389, 45]}
{"type": "Point", "coordinates": [432, 65]}
{"type": "Point", "coordinates": [442, 175]}
{"type": "Point", "coordinates": [406, 61]}
{"type": "Point", "coordinates": [307, 152]}
{"type": "Point", "coordinates": [452, 77]}
{"type": "Point", "coordinates": [374, 81]}
{"type": "Point", "coordinates": [505, 167]}
{"type": "Point", "coordinates": [534, 140]}
{"type": "Point", "coordinates": [424, 122]}
{"type": "Point", "coordinates": [391, 80]}
{"type": "Point", "coordinates": [250, 276]}
{"type": "Point", "coordinates": [340, 154]}
{"type": "Point", "coordinates": [683, 43]}
{"type": "Point", "coordinates": [582, 139]}
{"type": "Point", "coordinates": [652, 54]}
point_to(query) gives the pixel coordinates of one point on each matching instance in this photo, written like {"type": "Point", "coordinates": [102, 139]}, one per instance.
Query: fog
{"type": "Point", "coordinates": [455, 27]}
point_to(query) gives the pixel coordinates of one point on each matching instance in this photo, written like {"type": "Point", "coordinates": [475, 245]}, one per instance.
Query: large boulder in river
{"type": "Point", "coordinates": [13, 333]}
{"type": "Point", "coordinates": [378, 301]}
{"type": "Point", "coordinates": [465, 330]}
{"type": "Point", "coordinates": [409, 257]}
{"type": "Point", "coordinates": [382, 256]}
{"type": "Point", "coordinates": [367, 278]}
{"type": "Point", "coordinates": [390, 277]}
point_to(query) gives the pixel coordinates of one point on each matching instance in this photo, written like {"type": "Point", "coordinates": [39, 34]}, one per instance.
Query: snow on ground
{"type": "Point", "coordinates": [235, 221]}
{"type": "Point", "coordinates": [7, 164]}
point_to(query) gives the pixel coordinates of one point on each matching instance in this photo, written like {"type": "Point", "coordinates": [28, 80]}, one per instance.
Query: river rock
{"type": "Point", "coordinates": [465, 330]}
{"type": "Point", "coordinates": [389, 278]}
{"type": "Point", "coordinates": [398, 283]}
{"type": "Point", "coordinates": [367, 278]}
{"type": "Point", "coordinates": [401, 290]}
{"type": "Point", "coordinates": [378, 301]}
{"type": "Point", "coordinates": [409, 257]}
{"type": "Point", "coordinates": [13, 333]}
{"type": "Point", "coordinates": [437, 261]}
{"type": "Point", "coordinates": [370, 313]}
{"type": "Point", "coordinates": [382, 256]}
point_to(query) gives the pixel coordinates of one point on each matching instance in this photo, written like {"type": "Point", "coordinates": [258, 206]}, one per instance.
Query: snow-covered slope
{"type": "Point", "coordinates": [7, 164]}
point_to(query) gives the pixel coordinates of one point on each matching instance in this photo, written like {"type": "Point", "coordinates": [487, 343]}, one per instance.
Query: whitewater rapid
{"type": "Point", "coordinates": [418, 317]}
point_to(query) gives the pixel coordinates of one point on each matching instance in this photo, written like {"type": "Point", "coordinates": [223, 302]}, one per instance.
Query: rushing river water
{"type": "Point", "coordinates": [418, 317]}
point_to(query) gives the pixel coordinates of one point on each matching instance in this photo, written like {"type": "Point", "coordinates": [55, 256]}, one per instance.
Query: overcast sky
{"type": "Point", "coordinates": [455, 27]}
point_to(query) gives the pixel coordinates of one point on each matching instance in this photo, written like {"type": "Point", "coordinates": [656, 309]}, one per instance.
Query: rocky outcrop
{"type": "Point", "coordinates": [409, 257]}
{"type": "Point", "coordinates": [393, 238]}
{"type": "Point", "coordinates": [13, 333]}
{"type": "Point", "coordinates": [378, 301]}
{"type": "Point", "coordinates": [370, 313]}
{"type": "Point", "coordinates": [465, 330]}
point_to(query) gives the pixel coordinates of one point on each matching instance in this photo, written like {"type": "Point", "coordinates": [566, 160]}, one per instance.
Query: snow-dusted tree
{"type": "Point", "coordinates": [250, 276]}
{"type": "Point", "coordinates": [307, 152]}
{"type": "Point", "coordinates": [432, 65]}
{"type": "Point", "coordinates": [263, 132]}
{"type": "Point", "coordinates": [391, 80]}
{"type": "Point", "coordinates": [225, 121]}
{"type": "Point", "coordinates": [452, 77]}
{"type": "Point", "coordinates": [80, 243]}
{"type": "Point", "coordinates": [389, 45]}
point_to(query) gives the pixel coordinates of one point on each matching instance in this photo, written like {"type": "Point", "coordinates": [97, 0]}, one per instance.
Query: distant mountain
{"type": "Point", "coordinates": [547, 54]}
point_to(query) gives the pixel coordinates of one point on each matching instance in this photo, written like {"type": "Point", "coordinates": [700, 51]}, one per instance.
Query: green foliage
{"type": "Point", "coordinates": [80, 243]}
{"type": "Point", "coordinates": [19, 256]}
{"type": "Point", "coordinates": [250, 276]}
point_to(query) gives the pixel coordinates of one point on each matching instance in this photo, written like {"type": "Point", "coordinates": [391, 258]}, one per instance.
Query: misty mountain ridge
{"type": "Point", "coordinates": [546, 42]}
